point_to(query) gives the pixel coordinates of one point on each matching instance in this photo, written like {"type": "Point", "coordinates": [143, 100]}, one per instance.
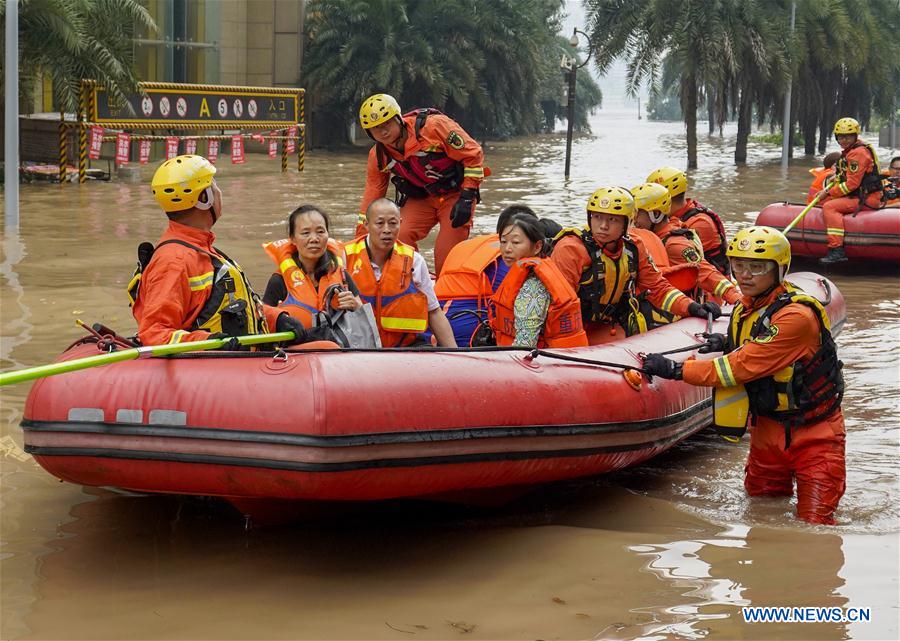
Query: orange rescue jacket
{"type": "Point", "coordinates": [401, 310]}
{"type": "Point", "coordinates": [304, 300]}
{"type": "Point", "coordinates": [462, 275]}
{"type": "Point", "coordinates": [563, 327]}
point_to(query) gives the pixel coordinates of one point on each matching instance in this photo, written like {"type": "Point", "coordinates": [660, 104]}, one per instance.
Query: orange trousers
{"type": "Point", "coordinates": [834, 210]}
{"type": "Point", "coordinates": [815, 459]}
{"type": "Point", "coordinates": [420, 215]}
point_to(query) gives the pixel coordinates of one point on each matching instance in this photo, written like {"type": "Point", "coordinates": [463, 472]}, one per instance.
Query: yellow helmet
{"type": "Point", "coordinates": [377, 109]}
{"type": "Point", "coordinates": [178, 183]}
{"type": "Point", "coordinates": [762, 243]}
{"type": "Point", "coordinates": [617, 201]}
{"type": "Point", "coordinates": [652, 198]}
{"type": "Point", "coordinates": [672, 179]}
{"type": "Point", "coordinates": [846, 126]}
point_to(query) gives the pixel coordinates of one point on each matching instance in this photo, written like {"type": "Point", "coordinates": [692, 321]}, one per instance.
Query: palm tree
{"type": "Point", "coordinates": [71, 40]}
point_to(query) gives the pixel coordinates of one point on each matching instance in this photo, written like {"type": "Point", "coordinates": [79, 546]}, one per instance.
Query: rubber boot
{"type": "Point", "coordinates": [835, 255]}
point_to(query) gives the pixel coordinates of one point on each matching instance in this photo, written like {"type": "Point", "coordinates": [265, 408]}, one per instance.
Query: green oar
{"type": "Point", "coordinates": [802, 214]}
{"type": "Point", "coordinates": [42, 371]}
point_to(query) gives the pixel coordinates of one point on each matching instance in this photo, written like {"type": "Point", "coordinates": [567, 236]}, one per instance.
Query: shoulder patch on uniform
{"type": "Point", "coordinates": [854, 165]}
{"type": "Point", "coordinates": [691, 255]}
{"type": "Point", "coordinates": [455, 140]}
{"type": "Point", "coordinates": [767, 338]}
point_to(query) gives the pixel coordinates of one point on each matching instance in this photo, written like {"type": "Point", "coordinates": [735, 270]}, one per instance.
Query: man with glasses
{"type": "Point", "coordinates": [780, 358]}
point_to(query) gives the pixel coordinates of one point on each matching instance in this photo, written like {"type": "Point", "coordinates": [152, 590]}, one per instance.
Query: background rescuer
{"type": "Point", "coordinates": [436, 167]}
{"type": "Point", "coordinates": [781, 361]}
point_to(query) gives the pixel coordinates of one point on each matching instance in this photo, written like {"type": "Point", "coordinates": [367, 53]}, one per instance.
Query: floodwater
{"type": "Point", "coordinates": [668, 550]}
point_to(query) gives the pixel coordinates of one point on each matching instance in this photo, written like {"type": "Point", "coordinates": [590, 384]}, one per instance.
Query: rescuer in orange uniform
{"type": "Point", "coordinates": [822, 174]}
{"type": "Point", "coordinates": [694, 216]}
{"type": "Point", "coordinates": [606, 267]}
{"type": "Point", "coordinates": [394, 279]}
{"type": "Point", "coordinates": [534, 306]}
{"type": "Point", "coordinates": [187, 290]}
{"type": "Point", "coordinates": [437, 169]}
{"type": "Point", "coordinates": [780, 349]}
{"type": "Point", "coordinates": [857, 184]}
{"type": "Point", "coordinates": [653, 205]}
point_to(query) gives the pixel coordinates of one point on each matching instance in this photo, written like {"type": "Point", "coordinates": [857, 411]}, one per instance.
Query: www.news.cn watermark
{"type": "Point", "coordinates": [781, 614]}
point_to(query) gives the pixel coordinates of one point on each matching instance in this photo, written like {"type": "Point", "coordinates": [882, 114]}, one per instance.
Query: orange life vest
{"type": "Point", "coordinates": [563, 327]}
{"type": "Point", "coordinates": [401, 310]}
{"type": "Point", "coordinates": [462, 275]}
{"type": "Point", "coordinates": [303, 301]}
{"type": "Point", "coordinates": [820, 175]}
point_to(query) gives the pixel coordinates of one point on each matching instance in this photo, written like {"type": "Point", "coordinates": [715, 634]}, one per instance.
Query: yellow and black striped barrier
{"type": "Point", "coordinates": [63, 147]}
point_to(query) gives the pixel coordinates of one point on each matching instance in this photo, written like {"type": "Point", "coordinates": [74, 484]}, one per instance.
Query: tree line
{"type": "Point", "coordinates": [493, 65]}
{"type": "Point", "coordinates": [737, 56]}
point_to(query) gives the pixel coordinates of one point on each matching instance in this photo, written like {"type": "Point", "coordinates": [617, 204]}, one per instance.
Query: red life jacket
{"type": "Point", "coordinates": [401, 310]}
{"type": "Point", "coordinates": [426, 173]}
{"type": "Point", "coordinates": [303, 301]}
{"type": "Point", "coordinates": [563, 326]}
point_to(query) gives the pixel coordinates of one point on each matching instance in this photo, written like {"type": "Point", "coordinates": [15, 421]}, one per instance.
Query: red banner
{"type": "Point", "coordinates": [291, 143]}
{"type": "Point", "coordinates": [96, 142]}
{"type": "Point", "coordinates": [144, 152]}
{"type": "Point", "coordinates": [123, 148]}
{"type": "Point", "coordinates": [237, 149]}
{"type": "Point", "coordinates": [273, 145]}
{"type": "Point", "coordinates": [212, 151]}
{"type": "Point", "coordinates": [190, 146]}
{"type": "Point", "coordinates": [171, 147]}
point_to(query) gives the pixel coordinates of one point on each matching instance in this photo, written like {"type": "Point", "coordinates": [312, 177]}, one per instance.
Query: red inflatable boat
{"type": "Point", "coordinates": [365, 425]}
{"type": "Point", "coordinates": [872, 234]}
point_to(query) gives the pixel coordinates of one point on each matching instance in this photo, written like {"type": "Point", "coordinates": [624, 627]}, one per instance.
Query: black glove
{"type": "Point", "coordinates": [464, 208]}
{"type": "Point", "coordinates": [658, 365]}
{"type": "Point", "coordinates": [287, 323]}
{"type": "Point", "coordinates": [714, 343]}
{"type": "Point", "coordinates": [231, 345]}
{"type": "Point", "coordinates": [702, 311]}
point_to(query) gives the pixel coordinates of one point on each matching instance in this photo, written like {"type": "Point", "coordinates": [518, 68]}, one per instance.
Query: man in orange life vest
{"type": "Point", "coordinates": [394, 279]}
{"type": "Point", "coordinates": [780, 358]}
{"type": "Point", "coordinates": [188, 290]}
{"type": "Point", "coordinates": [892, 184]}
{"type": "Point", "coordinates": [436, 166]}
{"type": "Point", "coordinates": [694, 216]}
{"type": "Point", "coordinates": [857, 184]}
{"type": "Point", "coordinates": [653, 204]}
{"type": "Point", "coordinates": [822, 174]}
{"type": "Point", "coordinates": [605, 266]}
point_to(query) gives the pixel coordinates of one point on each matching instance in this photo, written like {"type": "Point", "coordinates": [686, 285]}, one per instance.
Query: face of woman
{"type": "Point", "coordinates": [310, 235]}
{"type": "Point", "coordinates": [515, 245]}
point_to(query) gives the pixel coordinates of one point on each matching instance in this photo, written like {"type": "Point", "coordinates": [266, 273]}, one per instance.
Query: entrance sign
{"type": "Point", "coordinates": [184, 104]}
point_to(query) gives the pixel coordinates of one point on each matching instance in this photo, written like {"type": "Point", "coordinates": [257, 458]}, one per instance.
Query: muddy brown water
{"type": "Point", "coordinates": [670, 549]}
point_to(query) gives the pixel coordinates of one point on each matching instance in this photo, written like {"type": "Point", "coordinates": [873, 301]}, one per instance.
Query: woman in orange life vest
{"type": "Point", "coordinates": [308, 262]}
{"type": "Point", "coordinates": [472, 273]}
{"type": "Point", "coordinates": [534, 306]}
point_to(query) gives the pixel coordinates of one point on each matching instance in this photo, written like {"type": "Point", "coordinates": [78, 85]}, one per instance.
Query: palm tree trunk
{"type": "Point", "coordinates": [690, 118]}
{"type": "Point", "coordinates": [711, 109]}
{"type": "Point", "coordinates": [809, 133]}
{"type": "Point", "coordinates": [743, 131]}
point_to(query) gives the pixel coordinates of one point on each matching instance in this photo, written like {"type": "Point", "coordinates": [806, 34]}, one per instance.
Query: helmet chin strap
{"type": "Point", "coordinates": [656, 217]}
